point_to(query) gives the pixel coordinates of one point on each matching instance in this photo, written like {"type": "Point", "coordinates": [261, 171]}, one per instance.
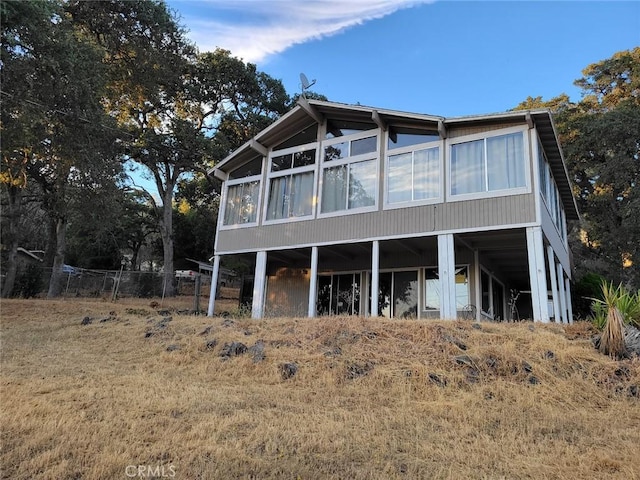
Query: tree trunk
{"type": "Point", "coordinates": [166, 232]}
{"type": "Point", "coordinates": [56, 282]}
{"type": "Point", "coordinates": [13, 216]}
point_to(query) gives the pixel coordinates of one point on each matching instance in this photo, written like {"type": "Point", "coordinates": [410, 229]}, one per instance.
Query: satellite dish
{"type": "Point", "coordinates": [305, 83]}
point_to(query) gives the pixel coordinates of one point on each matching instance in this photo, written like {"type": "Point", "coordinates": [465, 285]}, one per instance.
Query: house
{"type": "Point", "coordinates": [352, 210]}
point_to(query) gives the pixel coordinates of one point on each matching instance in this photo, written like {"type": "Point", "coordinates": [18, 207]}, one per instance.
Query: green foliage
{"type": "Point", "coordinates": [627, 303]}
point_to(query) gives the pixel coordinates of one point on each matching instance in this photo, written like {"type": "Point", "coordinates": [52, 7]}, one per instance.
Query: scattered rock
{"type": "Point", "coordinates": [632, 340]}
{"type": "Point", "coordinates": [164, 313]}
{"type": "Point", "coordinates": [533, 380]}
{"type": "Point", "coordinates": [464, 360]}
{"type": "Point", "coordinates": [150, 333]}
{"type": "Point", "coordinates": [333, 352]}
{"type": "Point", "coordinates": [228, 322]}
{"type": "Point", "coordinates": [633, 391]}
{"type": "Point", "coordinates": [173, 347]}
{"type": "Point", "coordinates": [206, 331]}
{"type": "Point", "coordinates": [492, 362]}
{"type": "Point", "coordinates": [257, 351]}
{"type": "Point", "coordinates": [288, 370]}
{"type": "Point", "coordinates": [531, 328]}
{"type": "Point", "coordinates": [472, 375]}
{"type": "Point", "coordinates": [526, 367]}
{"type": "Point", "coordinates": [211, 344]}
{"type": "Point", "coordinates": [439, 381]}
{"type": "Point", "coordinates": [86, 321]}
{"type": "Point", "coordinates": [456, 341]}
{"type": "Point", "coordinates": [154, 304]}
{"type": "Point", "coordinates": [356, 370]}
{"type": "Point", "coordinates": [549, 355]}
{"type": "Point", "coordinates": [477, 326]}
{"type": "Point", "coordinates": [233, 349]}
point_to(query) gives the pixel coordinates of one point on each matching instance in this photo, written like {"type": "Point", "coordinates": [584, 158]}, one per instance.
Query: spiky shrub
{"type": "Point", "coordinates": [627, 303]}
{"type": "Point", "coordinates": [612, 338]}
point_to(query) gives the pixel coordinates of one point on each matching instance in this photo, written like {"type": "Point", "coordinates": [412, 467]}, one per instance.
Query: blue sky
{"type": "Point", "coordinates": [444, 58]}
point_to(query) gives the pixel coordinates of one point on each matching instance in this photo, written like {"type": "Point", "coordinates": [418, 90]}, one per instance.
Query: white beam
{"type": "Point", "coordinates": [310, 109]}
{"type": "Point", "coordinates": [375, 277]}
{"type": "Point", "coordinates": [214, 285]}
{"type": "Point", "coordinates": [447, 274]}
{"type": "Point", "coordinates": [563, 298]}
{"type": "Point", "coordinates": [554, 284]}
{"type": "Point", "coordinates": [377, 119]}
{"type": "Point", "coordinates": [259, 281]}
{"type": "Point", "coordinates": [537, 274]}
{"type": "Point", "coordinates": [258, 147]}
{"type": "Point", "coordinates": [313, 283]}
{"type": "Point", "coordinates": [567, 289]}
{"type": "Point", "coordinates": [478, 284]}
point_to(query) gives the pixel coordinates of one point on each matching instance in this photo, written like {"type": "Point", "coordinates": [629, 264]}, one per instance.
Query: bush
{"type": "Point", "coordinates": [28, 282]}
{"type": "Point", "coordinates": [628, 304]}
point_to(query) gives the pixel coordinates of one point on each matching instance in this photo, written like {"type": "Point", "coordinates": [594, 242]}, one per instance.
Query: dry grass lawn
{"type": "Point", "coordinates": [131, 394]}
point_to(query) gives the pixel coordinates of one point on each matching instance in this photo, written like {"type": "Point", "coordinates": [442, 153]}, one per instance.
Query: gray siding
{"type": "Point", "coordinates": [413, 221]}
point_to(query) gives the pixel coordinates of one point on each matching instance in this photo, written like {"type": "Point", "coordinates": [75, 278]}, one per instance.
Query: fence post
{"type": "Point", "coordinates": [196, 296]}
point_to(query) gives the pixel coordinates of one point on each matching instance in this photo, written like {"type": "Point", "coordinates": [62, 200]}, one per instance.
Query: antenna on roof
{"type": "Point", "coordinates": [305, 84]}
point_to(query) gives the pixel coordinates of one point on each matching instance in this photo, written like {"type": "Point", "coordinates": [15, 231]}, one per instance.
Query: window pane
{"type": "Point", "coordinates": [462, 287]}
{"type": "Point", "coordinates": [505, 162]}
{"type": "Point", "coordinates": [426, 174]}
{"type": "Point", "coordinates": [362, 184]}
{"type": "Point", "coordinates": [407, 139]}
{"type": "Point", "coordinates": [282, 162]}
{"type": "Point", "coordinates": [302, 159]}
{"type": "Point", "coordinates": [485, 281]}
{"type": "Point", "coordinates": [336, 151]}
{"type": "Point", "coordinates": [399, 180]}
{"type": "Point", "coordinates": [542, 166]}
{"type": "Point", "coordinates": [301, 203]}
{"type": "Point", "coordinates": [242, 203]}
{"type": "Point", "coordinates": [334, 189]}
{"type": "Point", "coordinates": [254, 167]}
{"type": "Point", "coordinates": [467, 167]}
{"type": "Point", "coordinates": [279, 195]}
{"type": "Point", "coordinates": [432, 295]}
{"type": "Point", "coordinates": [405, 294]}
{"type": "Point", "coordinates": [364, 145]}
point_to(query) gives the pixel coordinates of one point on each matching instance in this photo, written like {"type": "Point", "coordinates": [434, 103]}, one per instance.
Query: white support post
{"type": "Point", "coordinates": [375, 277]}
{"type": "Point", "coordinates": [214, 285]}
{"type": "Point", "coordinates": [567, 289]}
{"type": "Point", "coordinates": [554, 284]}
{"type": "Point", "coordinates": [447, 274]}
{"type": "Point", "coordinates": [478, 284]}
{"type": "Point", "coordinates": [537, 274]}
{"type": "Point", "coordinates": [563, 298]}
{"type": "Point", "coordinates": [313, 283]}
{"type": "Point", "coordinates": [259, 281]}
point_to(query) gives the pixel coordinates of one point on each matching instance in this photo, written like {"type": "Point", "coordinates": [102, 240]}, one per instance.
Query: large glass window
{"type": "Point", "coordinates": [243, 193]}
{"type": "Point", "coordinates": [413, 175]}
{"type": "Point", "coordinates": [398, 295]}
{"type": "Point", "coordinates": [291, 182]}
{"type": "Point", "coordinates": [488, 164]}
{"type": "Point", "coordinates": [338, 294]}
{"type": "Point", "coordinates": [433, 288]}
{"type": "Point", "coordinates": [242, 203]}
{"type": "Point", "coordinates": [349, 175]}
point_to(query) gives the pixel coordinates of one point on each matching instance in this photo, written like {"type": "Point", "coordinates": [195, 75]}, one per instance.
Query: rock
{"type": "Point", "coordinates": [288, 370]}
{"type": "Point", "coordinates": [86, 321]}
{"type": "Point", "coordinates": [632, 340]}
{"type": "Point", "coordinates": [233, 349]}
{"type": "Point", "coordinates": [533, 380]}
{"type": "Point", "coordinates": [333, 352]}
{"type": "Point", "coordinates": [634, 391]}
{"type": "Point", "coordinates": [549, 355]}
{"type": "Point", "coordinates": [149, 334]}
{"type": "Point", "coordinates": [257, 351]}
{"type": "Point", "coordinates": [456, 341]}
{"type": "Point", "coordinates": [477, 326]}
{"type": "Point", "coordinates": [228, 322]}
{"type": "Point", "coordinates": [526, 367]}
{"type": "Point", "coordinates": [173, 347]}
{"type": "Point", "coordinates": [164, 313]}
{"type": "Point", "coordinates": [439, 381]}
{"type": "Point", "coordinates": [206, 331]}
{"type": "Point", "coordinates": [211, 344]}
{"type": "Point", "coordinates": [355, 370]}
{"type": "Point", "coordinates": [464, 360]}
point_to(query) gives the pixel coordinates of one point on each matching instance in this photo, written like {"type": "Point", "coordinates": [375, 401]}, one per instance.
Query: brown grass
{"type": "Point", "coordinates": [612, 338]}
{"type": "Point", "coordinates": [371, 398]}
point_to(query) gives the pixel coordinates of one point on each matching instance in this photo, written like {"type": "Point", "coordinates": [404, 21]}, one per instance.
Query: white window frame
{"type": "Point", "coordinates": [440, 144]}
{"type": "Point", "coordinates": [552, 201]}
{"type": "Point", "coordinates": [288, 173]}
{"type": "Point", "coordinates": [492, 278]}
{"type": "Point", "coordinates": [492, 193]}
{"type": "Point", "coordinates": [240, 181]}
{"type": "Point", "coordinates": [424, 289]}
{"type": "Point", "coordinates": [371, 156]}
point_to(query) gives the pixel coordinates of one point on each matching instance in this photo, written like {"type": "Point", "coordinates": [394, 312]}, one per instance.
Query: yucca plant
{"type": "Point", "coordinates": [612, 338]}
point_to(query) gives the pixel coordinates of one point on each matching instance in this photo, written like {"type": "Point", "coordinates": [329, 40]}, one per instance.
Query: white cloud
{"type": "Point", "coordinates": [255, 29]}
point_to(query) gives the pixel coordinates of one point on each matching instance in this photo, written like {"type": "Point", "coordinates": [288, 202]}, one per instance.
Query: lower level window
{"type": "Point", "coordinates": [433, 288]}
{"type": "Point", "coordinates": [339, 294]}
{"type": "Point", "coordinates": [398, 295]}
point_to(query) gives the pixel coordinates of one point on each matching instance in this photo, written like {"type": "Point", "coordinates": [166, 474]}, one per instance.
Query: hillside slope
{"type": "Point", "coordinates": [90, 390]}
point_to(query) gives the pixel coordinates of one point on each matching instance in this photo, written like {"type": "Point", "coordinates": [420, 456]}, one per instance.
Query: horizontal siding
{"type": "Point", "coordinates": [412, 221]}
{"type": "Point", "coordinates": [461, 132]}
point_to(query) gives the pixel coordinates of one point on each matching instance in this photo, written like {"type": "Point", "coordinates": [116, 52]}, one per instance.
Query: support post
{"type": "Point", "coordinates": [259, 280]}
{"type": "Point", "coordinates": [375, 277]}
{"type": "Point", "coordinates": [567, 289]}
{"type": "Point", "coordinates": [214, 285]}
{"type": "Point", "coordinates": [563, 299]}
{"type": "Point", "coordinates": [554, 284]}
{"type": "Point", "coordinates": [313, 283]}
{"type": "Point", "coordinates": [447, 274]}
{"type": "Point", "coordinates": [478, 285]}
{"type": "Point", "coordinates": [537, 274]}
